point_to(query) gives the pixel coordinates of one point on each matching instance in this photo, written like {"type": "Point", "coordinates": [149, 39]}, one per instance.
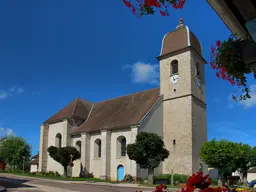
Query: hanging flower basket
{"type": "Point", "coordinates": [228, 58]}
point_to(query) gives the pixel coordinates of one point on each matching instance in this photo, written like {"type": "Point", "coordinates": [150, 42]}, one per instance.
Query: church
{"type": "Point", "coordinates": [176, 111]}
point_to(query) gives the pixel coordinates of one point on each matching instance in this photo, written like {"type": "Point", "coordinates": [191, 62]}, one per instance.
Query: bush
{"type": "Point", "coordinates": [50, 174]}
{"type": "Point", "coordinates": [177, 178]}
{"type": "Point", "coordinates": [11, 171]}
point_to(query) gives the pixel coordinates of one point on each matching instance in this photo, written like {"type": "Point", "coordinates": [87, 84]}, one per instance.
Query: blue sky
{"type": "Point", "coordinates": [54, 51]}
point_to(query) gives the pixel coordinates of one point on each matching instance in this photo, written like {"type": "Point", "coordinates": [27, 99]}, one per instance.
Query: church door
{"type": "Point", "coordinates": [120, 172]}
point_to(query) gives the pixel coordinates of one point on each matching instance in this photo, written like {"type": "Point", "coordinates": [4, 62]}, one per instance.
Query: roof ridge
{"type": "Point", "coordinates": [74, 110]}
{"type": "Point", "coordinates": [127, 95]}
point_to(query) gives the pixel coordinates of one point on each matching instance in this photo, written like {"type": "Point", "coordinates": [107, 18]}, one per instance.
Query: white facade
{"type": "Point", "coordinates": [33, 168]}
{"type": "Point", "coordinates": [97, 165]}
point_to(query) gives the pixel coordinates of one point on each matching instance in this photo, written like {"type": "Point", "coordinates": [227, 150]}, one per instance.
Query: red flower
{"type": "Point", "coordinates": [223, 75]}
{"type": "Point", "coordinates": [213, 65]}
{"type": "Point", "coordinates": [179, 4]}
{"type": "Point", "coordinates": [163, 13]}
{"type": "Point", "coordinates": [158, 5]}
{"type": "Point", "coordinates": [128, 4]}
{"type": "Point", "coordinates": [213, 50]}
{"type": "Point", "coordinates": [218, 43]}
{"type": "Point", "coordinates": [150, 2]}
{"type": "Point", "coordinates": [217, 74]}
{"type": "Point", "coordinates": [133, 10]}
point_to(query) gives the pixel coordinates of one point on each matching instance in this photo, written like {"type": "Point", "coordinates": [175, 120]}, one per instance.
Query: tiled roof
{"type": "Point", "coordinates": [35, 156]}
{"type": "Point", "coordinates": [78, 108]}
{"type": "Point", "coordinates": [119, 112]}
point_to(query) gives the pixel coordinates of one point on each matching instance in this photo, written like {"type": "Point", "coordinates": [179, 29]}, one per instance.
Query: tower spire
{"type": "Point", "coordinates": [181, 24]}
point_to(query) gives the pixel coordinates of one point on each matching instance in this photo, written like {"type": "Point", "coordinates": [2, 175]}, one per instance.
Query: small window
{"type": "Point", "coordinates": [197, 69]}
{"type": "Point", "coordinates": [174, 67]}
{"type": "Point", "coordinates": [121, 146]}
{"type": "Point", "coordinates": [58, 139]}
{"type": "Point", "coordinates": [78, 146]}
{"type": "Point", "coordinates": [174, 142]}
{"type": "Point", "coordinates": [97, 148]}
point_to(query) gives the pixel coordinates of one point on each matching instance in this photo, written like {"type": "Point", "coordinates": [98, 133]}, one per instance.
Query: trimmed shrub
{"type": "Point", "coordinates": [177, 178]}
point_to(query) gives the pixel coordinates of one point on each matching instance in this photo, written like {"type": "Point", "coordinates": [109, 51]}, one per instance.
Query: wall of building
{"type": "Point", "coordinates": [33, 168]}
{"type": "Point", "coordinates": [251, 176]}
{"type": "Point", "coordinates": [54, 129]}
{"type": "Point", "coordinates": [95, 162]}
{"type": "Point", "coordinates": [116, 159]}
{"type": "Point", "coordinates": [199, 132]}
{"type": "Point", "coordinates": [153, 123]}
{"type": "Point", "coordinates": [76, 169]}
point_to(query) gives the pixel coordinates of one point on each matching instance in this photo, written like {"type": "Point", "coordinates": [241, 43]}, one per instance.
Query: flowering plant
{"type": "Point", "coordinates": [198, 181]}
{"type": "Point", "coordinates": [227, 59]}
{"type": "Point", "coordinates": [159, 188]}
{"type": "Point", "coordinates": [148, 7]}
{"type": "Point", "coordinates": [242, 189]}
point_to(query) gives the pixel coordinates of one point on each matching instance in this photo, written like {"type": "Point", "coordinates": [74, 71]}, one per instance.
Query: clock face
{"type": "Point", "coordinates": [198, 81]}
{"type": "Point", "coordinates": [174, 79]}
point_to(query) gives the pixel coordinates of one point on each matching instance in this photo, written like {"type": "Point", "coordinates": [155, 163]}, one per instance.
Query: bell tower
{"type": "Point", "coordinates": [182, 84]}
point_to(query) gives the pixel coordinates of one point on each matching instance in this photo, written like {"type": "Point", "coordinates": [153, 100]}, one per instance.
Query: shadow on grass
{"type": "Point", "coordinates": [14, 183]}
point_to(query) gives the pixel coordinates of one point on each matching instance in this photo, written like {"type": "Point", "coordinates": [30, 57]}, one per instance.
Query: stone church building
{"type": "Point", "coordinates": [176, 111]}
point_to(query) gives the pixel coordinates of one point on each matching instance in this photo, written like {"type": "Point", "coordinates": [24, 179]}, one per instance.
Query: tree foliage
{"type": "Point", "coordinates": [222, 155]}
{"type": "Point", "coordinates": [253, 157]}
{"type": "Point", "coordinates": [227, 157]}
{"type": "Point", "coordinates": [245, 158]}
{"type": "Point", "coordinates": [64, 155]}
{"type": "Point", "coordinates": [148, 151]}
{"type": "Point", "coordinates": [13, 150]}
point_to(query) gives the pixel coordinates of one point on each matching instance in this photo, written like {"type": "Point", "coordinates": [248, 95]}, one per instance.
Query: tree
{"type": "Point", "coordinates": [148, 151]}
{"type": "Point", "coordinates": [15, 151]}
{"type": "Point", "coordinates": [243, 162]}
{"type": "Point", "coordinates": [64, 155]}
{"type": "Point", "coordinates": [253, 157]}
{"type": "Point", "coordinates": [222, 155]}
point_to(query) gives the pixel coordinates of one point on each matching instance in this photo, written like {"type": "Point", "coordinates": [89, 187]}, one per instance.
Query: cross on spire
{"type": "Point", "coordinates": [181, 24]}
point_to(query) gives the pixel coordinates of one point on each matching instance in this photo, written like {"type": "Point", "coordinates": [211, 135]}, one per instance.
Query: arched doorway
{"type": "Point", "coordinates": [120, 172]}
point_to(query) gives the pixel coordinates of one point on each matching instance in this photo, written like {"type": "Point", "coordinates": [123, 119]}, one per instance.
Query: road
{"type": "Point", "coordinates": [31, 185]}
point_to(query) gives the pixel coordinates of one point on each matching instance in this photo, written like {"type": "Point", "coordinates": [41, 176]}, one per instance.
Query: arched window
{"type": "Point", "coordinates": [121, 146]}
{"type": "Point", "coordinates": [174, 67]}
{"type": "Point", "coordinates": [78, 146]}
{"type": "Point", "coordinates": [97, 148]}
{"type": "Point", "coordinates": [197, 69]}
{"type": "Point", "coordinates": [58, 139]}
